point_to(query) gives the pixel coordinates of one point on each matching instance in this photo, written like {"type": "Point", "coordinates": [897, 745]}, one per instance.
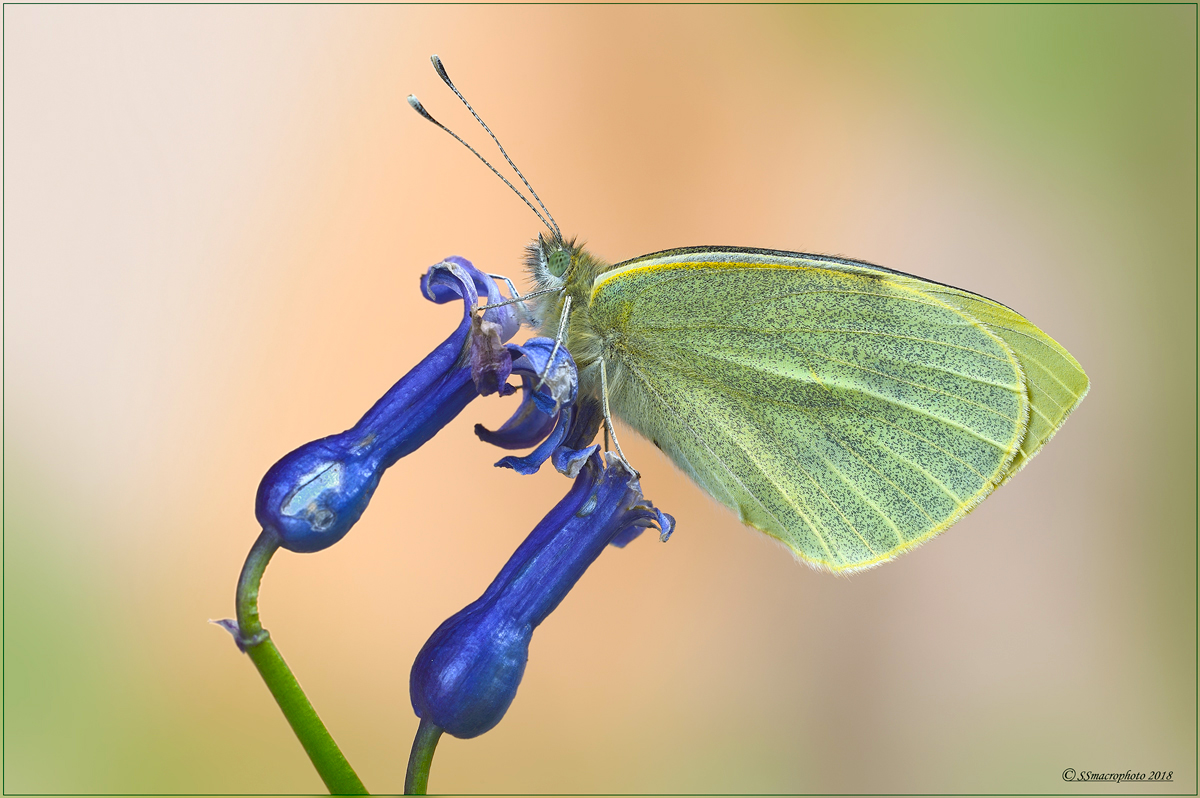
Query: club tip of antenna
{"type": "Point", "coordinates": [440, 68]}
{"type": "Point", "coordinates": [416, 106]}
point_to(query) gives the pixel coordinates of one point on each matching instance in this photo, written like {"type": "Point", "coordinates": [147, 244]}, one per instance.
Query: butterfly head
{"type": "Point", "coordinates": [560, 268]}
{"type": "Point", "coordinates": [551, 261]}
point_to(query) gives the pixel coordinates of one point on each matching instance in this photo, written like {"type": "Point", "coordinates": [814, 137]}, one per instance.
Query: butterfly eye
{"type": "Point", "coordinates": [558, 262]}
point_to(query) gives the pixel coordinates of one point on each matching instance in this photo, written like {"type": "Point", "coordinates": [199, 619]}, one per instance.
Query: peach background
{"type": "Point", "coordinates": [215, 218]}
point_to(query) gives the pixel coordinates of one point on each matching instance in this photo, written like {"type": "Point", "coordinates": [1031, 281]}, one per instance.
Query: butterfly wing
{"type": "Point", "coordinates": [1055, 381]}
{"type": "Point", "coordinates": [849, 411]}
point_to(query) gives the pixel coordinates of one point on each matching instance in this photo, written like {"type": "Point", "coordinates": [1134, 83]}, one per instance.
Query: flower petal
{"type": "Point", "coordinates": [586, 418]}
{"type": "Point", "coordinates": [560, 381]}
{"type": "Point", "coordinates": [568, 461]}
{"type": "Point", "coordinates": [504, 316]}
{"type": "Point", "coordinates": [545, 414]}
{"type": "Point", "coordinates": [530, 463]}
{"type": "Point", "coordinates": [525, 428]}
{"type": "Point", "coordinates": [491, 362]}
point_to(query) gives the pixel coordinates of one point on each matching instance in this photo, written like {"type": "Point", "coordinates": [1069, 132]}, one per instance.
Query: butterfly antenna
{"type": "Point", "coordinates": [420, 109]}
{"type": "Point", "coordinates": [440, 68]}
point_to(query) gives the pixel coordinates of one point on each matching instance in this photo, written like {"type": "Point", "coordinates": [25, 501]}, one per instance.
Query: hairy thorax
{"type": "Point", "coordinates": [585, 340]}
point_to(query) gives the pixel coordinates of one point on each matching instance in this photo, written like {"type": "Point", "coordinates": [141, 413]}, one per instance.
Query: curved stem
{"type": "Point", "coordinates": [249, 579]}
{"type": "Point", "coordinates": [417, 780]}
{"type": "Point", "coordinates": [326, 757]}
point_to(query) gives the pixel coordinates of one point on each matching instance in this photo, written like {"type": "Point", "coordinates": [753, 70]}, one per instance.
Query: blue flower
{"type": "Point", "coordinates": [551, 415]}
{"type": "Point", "coordinates": [466, 675]}
{"type": "Point", "coordinates": [312, 496]}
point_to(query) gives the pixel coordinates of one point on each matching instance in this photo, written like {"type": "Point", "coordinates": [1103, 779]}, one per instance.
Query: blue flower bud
{"type": "Point", "coordinates": [312, 496]}
{"type": "Point", "coordinates": [467, 674]}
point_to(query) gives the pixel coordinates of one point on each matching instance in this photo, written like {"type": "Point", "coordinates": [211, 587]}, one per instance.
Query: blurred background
{"type": "Point", "coordinates": [215, 219]}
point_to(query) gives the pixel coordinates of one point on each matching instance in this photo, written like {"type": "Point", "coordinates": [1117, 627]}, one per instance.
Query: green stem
{"type": "Point", "coordinates": [417, 780]}
{"type": "Point", "coordinates": [326, 757]}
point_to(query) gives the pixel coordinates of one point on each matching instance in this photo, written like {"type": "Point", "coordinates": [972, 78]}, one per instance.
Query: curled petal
{"type": "Point", "coordinates": [643, 514]}
{"type": "Point", "coordinates": [545, 414]}
{"type": "Point", "coordinates": [505, 316]}
{"type": "Point", "coordinates": [560, 381]}
{"type": "Point", "coordinates": [569, 457]}
{"type": "Point", "coordinates": [568, 461]}
{"type": "Point", "coordinates": [453, 278]}
{"type": "Point", "coordinates": [666, 525]}
{"type": "Point", "coordinates": [491, 363]}
{"type": "Point", "coordinates": [525, 428]}
{"type": "Point", "coordinates": [530, 463]}
{"type": "Point", "coordinates": [651, 517]}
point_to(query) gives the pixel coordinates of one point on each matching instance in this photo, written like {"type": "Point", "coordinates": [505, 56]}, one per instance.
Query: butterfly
{"type": "Point", "coordinates": [850, 411]}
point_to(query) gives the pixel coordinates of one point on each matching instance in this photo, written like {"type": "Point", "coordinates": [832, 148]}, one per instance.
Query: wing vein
{"type": "Point", "coordinates": [962, 399]}
{"type": "Point", "coordinates": [857, 389]}
{"type": "Point", "coordinates": [803, 516]}
{"type": "Point", "coordinates": [785, 403]}
{"type": "Point", "coordinates": [843, 330]}
{"type": "Point", "coordinates": [814, 482]}
{"type": "Point", "coordinates": [850, 449]}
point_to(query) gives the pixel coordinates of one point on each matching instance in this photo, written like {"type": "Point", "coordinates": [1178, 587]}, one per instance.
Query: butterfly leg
{"type": "Point", "coordinates": [608, 424]}
{"type": "Point", "coordinates": [512, 289]}
{"type": "Point", "coordinates": [558, 339]}
{"type": "Point", "coordinates": [515, 298]}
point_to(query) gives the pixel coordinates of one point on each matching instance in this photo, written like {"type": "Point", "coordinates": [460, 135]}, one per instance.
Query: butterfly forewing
{"type": "Point", "coordinates": [847, 413]}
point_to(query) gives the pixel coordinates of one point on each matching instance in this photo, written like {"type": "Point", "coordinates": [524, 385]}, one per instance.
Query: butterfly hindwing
{"type": "Point", "coordinates": [1055, 381]}
{"type": "Point", "coordinates": [847, 412]}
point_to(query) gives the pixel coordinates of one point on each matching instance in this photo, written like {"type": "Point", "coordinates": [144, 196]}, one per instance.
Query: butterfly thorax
{"type": "Point", "coordinates": [564, 265]}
